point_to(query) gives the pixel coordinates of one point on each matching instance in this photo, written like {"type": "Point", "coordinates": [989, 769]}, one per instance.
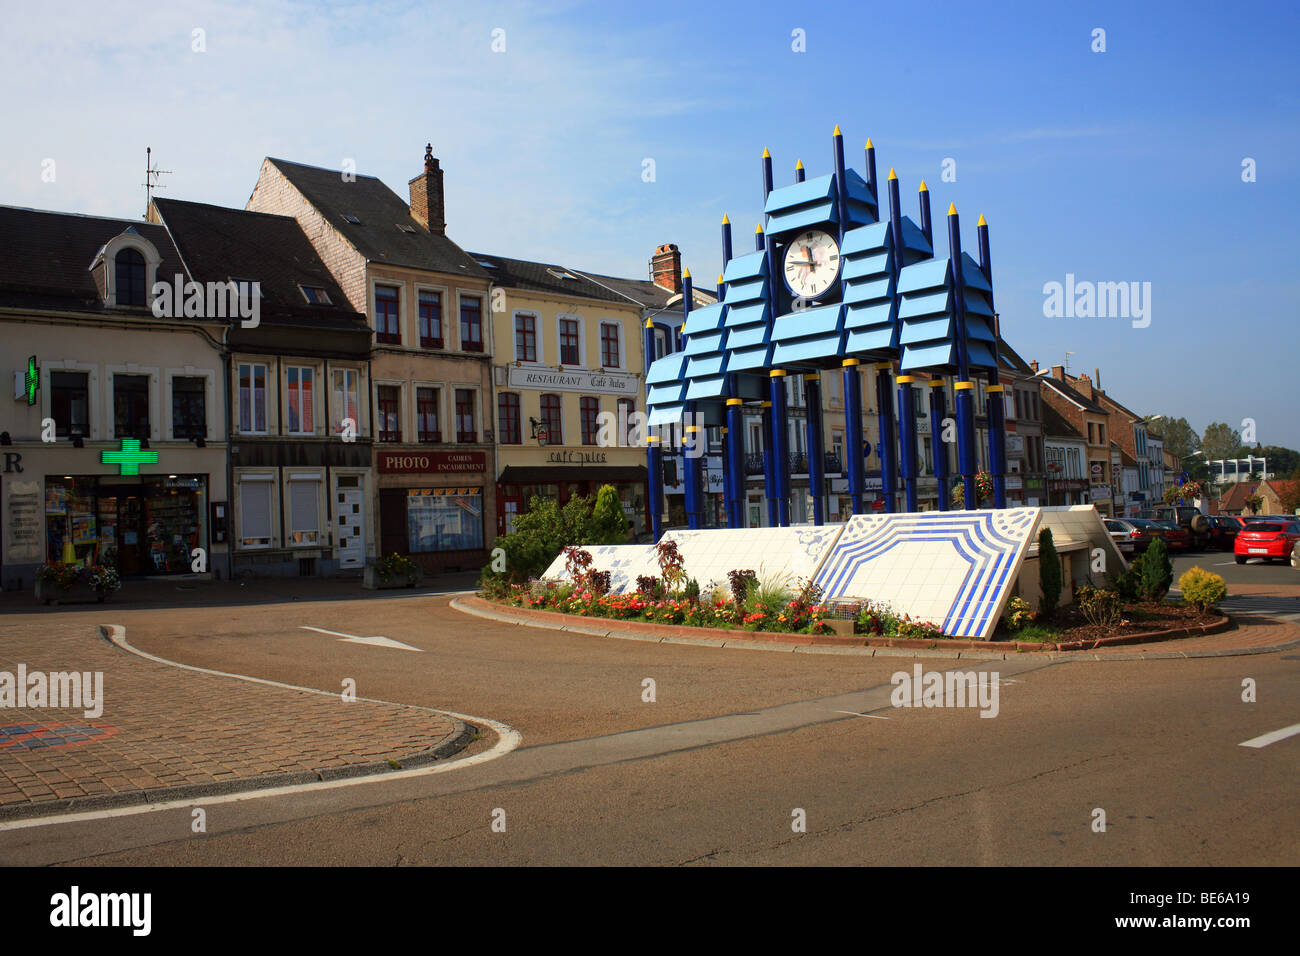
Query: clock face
{"type": "Point", "coordinates": [812, 261]}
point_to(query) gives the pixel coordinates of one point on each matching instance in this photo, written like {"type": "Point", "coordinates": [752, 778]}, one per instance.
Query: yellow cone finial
{"type": "Point", "coordinates": [766, 154]}
{"type": "Point", "coordinates": [924, 188]}
{"type": "Point", "coordinates": [798, 164]}
{"type": "Point", "coordinates": [892, 174]}
{"type": "Point", "coordinates": [719, 278]}
{"type": "Point", "coordinates": [758, 230]}
{"type": "Point", "coordinates": [870, 145]}
{"type": "Point", "coordinates": [837, 130]}
{"type": "Point", "coordinates": [952, 209]}
{"type": "Point", "coordinates": [725, 220]}
{"type": "Point", "coordinates": [686, 273]}
{"type": "Point", "coordinates": [982, 221]}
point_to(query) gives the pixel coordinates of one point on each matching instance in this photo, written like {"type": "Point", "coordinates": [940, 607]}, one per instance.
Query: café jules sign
{"type": "Point", "coordinates": [572, 380]}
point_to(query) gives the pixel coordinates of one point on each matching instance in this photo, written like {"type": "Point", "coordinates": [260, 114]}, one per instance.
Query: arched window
{"type": "Point", "coordinates": [130, 277]}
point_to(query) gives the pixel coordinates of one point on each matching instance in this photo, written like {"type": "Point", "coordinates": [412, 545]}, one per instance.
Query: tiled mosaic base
{"type": "Point", "coordinates": [954, 569]}
{"type": "Point", "coordinates": [775, 555]}
{"type": "Point", "coordinates": [624, 562]}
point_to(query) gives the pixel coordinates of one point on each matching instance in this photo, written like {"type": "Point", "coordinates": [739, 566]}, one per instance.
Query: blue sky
{"type": "Point", "coordinates": [1115, 166]}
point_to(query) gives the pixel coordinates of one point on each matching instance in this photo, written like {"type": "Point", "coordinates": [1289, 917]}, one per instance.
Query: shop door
{"type": "Point", "coordinates": [132, 540]}
{"type": "Point", "coordinates": [509, 511]}
{"type": "Point", "coordinates": [351, 533]}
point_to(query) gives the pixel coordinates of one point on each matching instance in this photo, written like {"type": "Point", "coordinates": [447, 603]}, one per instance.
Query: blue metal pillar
{"type": "Point", "coordinates": [938, 447]}
{"type": "Point", "coordinates": [997, 410]}
{"type": "Point", "coordinates": [735, 464]}
{"type": "Point", "coordinates": [769, 474]}
{"type": "Point", "coordinates": [695, 446]}
{"type": "Point", "coordinates": [907, 440]}
{"type": "Point", "coordinates": [964, 387]}
{"type": "Point", "coordinates": [780, 447]}
{"type": "Point", "coordinates": [812, 392]}
{"type": "Point", "coordinates": [887, 447]}
{"type": "Point", "coordinates": [853, 432]}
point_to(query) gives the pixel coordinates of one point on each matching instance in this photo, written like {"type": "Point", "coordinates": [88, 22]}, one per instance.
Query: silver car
{"type": "Point", "coordinates": [1125, 534]}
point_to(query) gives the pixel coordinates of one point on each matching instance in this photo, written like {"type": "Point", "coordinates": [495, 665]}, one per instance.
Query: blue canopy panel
{"type": "Point", "coordinates": [742, 268]}
{"type": "Point", "coordinates": [916, 248]}
{"type": "Point", "coordinates": [705, 343]}
{"type": "Point", "coordinates": [705, 319]}
{"type": "Point", "coordinates": [713, 387]}
{"type": "Point", "coordinates": [809, 335]}
{"type": "Point", "coordinates": [669, 368]}
{"type": "Point", "coordinates": [665, 415]}
{"type": "Point", "coordinates": [746, 314]}
{"type": "Point", "coordinates": [871, 306]}
{"type": "Point", "coordinates": [711, 364]}
{"type": "Point", "coordinates": [665, 394]}
{"type": "Point", "coordinates": [927, 336]}
{"type": "Point", "coordinates": [863, 207]}
{"type": "Point", "coordinates": [752, 358]}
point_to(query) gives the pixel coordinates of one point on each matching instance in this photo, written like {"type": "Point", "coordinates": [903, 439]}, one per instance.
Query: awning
{"type": "Point", "coordinates": [550, 474]}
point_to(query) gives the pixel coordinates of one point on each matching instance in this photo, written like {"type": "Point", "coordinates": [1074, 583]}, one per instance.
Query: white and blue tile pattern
{"type": "Point", "coordinates": [776, 555]}
{"type": "Point", "coordinates": [624, 562]}
{"type": "Point", "coordinates": [954, 568]}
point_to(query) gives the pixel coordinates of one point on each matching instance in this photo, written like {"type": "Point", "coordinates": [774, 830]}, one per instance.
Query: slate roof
{"type": "Point", "coordinates": [544, 277]}
{"type": "Point", "coordinates": [1235, 499]}
{"type": "Point", "coordinates": [218, 243]}
{"type": "Point", "coordinates": [380, 212]}
{"type": "Point", "coordinates": [46, 256]}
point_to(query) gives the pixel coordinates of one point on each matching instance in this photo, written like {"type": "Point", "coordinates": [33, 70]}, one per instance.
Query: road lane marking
{"type": "Point", "coordinates": [1271, 738]}
{"type": "Point", "coordinates": [374, 640]}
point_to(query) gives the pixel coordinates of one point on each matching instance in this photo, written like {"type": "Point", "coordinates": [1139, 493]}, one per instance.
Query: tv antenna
{"type": "Point", "coordinates": [1067, 362]}
{"type": "Point", "coordinates": [151, 174]}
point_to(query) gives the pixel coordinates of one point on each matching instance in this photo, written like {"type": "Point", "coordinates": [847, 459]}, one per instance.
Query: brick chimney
{"type": "Point", "coordinates": [666, 267]}
{"type": "Point", "coordinates": [1058, 372]}
{"type": "Point", "coordinates": [1084, 385]}
{"type": "Point", "coordinates": [1033, 364]}
{"type": "Point", "coordinates": [428, 206]}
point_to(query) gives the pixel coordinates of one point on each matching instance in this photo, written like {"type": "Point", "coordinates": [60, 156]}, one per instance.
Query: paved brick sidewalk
{"type": "Point", "coordinates": [166, 727]}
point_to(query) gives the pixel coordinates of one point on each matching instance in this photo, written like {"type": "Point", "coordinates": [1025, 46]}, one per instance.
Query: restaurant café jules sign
{"type": "Point", "coordinates": [580, 380]}
{"type": "Point", "coordinates": [431, 462]}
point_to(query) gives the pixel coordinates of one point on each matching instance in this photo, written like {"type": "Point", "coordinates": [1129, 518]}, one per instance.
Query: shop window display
{"type": "Point", "coordinates": [444, 519]}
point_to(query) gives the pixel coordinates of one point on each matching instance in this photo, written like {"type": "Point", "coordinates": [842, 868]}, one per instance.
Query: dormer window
{"type": "Point", "coordinates": [315, 295]}
{"type": "Point", "coordinates": [130, 268]}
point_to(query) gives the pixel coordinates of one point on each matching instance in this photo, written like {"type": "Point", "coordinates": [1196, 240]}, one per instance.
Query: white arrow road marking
{"type": "Point", "coordinates": [1271, 738]}
{"type": "Point", "coordinates": [854, 713]}
{"type": "Point", "coordinates": [374, 640]}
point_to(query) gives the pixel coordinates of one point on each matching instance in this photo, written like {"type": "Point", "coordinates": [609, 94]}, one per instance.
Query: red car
{"type": "Point", "coordinates": [1176, 538]}
{"type": "Point", "coordinates": [1269, 540]}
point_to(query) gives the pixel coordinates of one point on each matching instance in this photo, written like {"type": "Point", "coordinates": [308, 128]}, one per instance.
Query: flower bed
{"type": "Point", "coordinates": [394, 571]}
{"type": "Point", "coordinates": [75, 583]}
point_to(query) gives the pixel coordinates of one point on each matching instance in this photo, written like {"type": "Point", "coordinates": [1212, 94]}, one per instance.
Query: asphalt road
{"type": "Point", "coordinates": [735, 743]}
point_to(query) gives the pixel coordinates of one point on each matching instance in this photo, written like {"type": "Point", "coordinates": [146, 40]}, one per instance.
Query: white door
{"type": "Point", "coordinates": [351, 528]}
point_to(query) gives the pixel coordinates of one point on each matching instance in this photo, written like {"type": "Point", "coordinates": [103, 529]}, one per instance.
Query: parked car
{"type": "Point", "coordinates": [1295, 556]}
{"type": "Point", "coordinates": [1176, 538]}
{"type": "Point", "coordinates": [1269, 540]}
{"type": "Point", "coordinates": [1223, 531]}
{"type": "Point", "coordinates": [1129, 536]}
{"type": "Point", "coordinates": [1190, 519]}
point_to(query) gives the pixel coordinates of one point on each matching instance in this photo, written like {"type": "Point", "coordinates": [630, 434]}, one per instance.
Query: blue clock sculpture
{"type": "Point", "coordinates": [831, 286]}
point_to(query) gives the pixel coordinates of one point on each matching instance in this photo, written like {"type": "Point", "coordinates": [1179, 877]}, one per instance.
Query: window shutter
{"type": "Point", "coordinates": [304, 511]}
{"type": "Point", "coordinates": [255, 509]}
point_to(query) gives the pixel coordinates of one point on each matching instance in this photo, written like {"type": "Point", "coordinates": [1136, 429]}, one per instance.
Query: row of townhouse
{"type": "Point", "coordinates": [390, 392]}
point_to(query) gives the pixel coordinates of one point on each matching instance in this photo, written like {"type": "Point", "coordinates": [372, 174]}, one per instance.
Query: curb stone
{"type": "Point", "coordinates": [478, 607]}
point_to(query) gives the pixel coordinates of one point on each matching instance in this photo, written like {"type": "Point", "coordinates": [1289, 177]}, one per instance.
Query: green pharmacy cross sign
{"type": "Point", "coordinates": [33, 381]}
{"type": "Point", "coordinates": [130, 457]}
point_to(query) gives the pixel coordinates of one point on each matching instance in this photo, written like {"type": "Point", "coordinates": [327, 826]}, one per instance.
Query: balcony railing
{"type": "Point", "coordinates": [754, 463]}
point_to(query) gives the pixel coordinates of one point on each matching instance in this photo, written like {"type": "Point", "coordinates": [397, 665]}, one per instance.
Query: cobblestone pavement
{"type": "Point", "coordinates": [165, 727]}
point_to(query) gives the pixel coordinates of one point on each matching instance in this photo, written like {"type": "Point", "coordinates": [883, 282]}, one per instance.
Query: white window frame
{"type": "Point", "coordinates": [266, 479]}
{"type": "Point", "coordinates": [622, 344]}
{"type": "Point", "coordinates": [445, 294]}
{"type": "Point", "coordinates": [452, 389]}
{"type": "Point", "coordinates": [485, 320]}
{"type": "Point", "coordinates": [539, 337]}
{"type": "Point", "coordinates": [402, 310]}
{"type": "Point", "coordinates": [336, 426]}
{"type": "Point", "coordinates": [404, 417]}
{"type": "Point", "coordinates": [315, 398]}
{"type": "Point", "coordinates": [110, 400]}
{"type": "Point", "coordinates": [94, 397]}
{"type": "Point", "coordinates": [582, 341]}
{"type": "Point", "coordinates": [109, 259]}
{"type": "Point", "coordinates": [319, 531]}
{"type": "Point", "coordinates": [252, 414]}
{"type": "Point", "coordinates": [441, 389]}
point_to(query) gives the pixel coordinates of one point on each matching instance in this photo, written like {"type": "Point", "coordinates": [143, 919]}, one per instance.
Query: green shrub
{"type": "Point", "coordinates": [539, 535]}
{"type": "Point", "coordinates": [608, 523]}
{"type": "Point", "coordinates": [1101, 606]}
{"type": "Point", "coordinates": [1049, 573]}
{"type": "Point", "coordinates": [1156, 574]}
{"type": "Point", "coordinates": [1018, 616]}
{"type": "Point", "coordinates": [1202, 589]}
{"type": "Point", "coordinates": [691, 591]}
{"type": "Point", "coordinates": [1126, 581]}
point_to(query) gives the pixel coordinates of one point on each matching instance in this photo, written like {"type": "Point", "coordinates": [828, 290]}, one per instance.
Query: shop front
{"type": "Point", "coordinates": [432, 507]}
{"type": "Point", "coordinates": [143, 524]}
{"type": "Point", "coordinates": [571, 474]}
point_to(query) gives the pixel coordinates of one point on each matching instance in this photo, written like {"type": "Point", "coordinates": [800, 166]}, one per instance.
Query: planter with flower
{"type": "Point", "coordinates": [393, 571]}
{"type": "Point", "coordinates": [61, 583]}
{"type": "Point", "coordinates": [983, 490]}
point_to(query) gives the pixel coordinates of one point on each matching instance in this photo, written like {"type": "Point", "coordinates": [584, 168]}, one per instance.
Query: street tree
{"type": "Point", "coordinates": [1220, 441]}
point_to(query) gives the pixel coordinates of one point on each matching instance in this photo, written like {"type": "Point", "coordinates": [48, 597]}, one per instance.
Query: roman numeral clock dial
{"type": "Point", "coordinates": [812, 261]}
